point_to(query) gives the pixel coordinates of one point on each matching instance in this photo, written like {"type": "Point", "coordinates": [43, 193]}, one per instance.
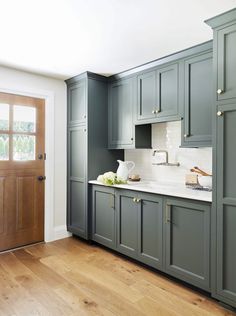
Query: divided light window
{"type": "Point", "coordinates": [17, 132]}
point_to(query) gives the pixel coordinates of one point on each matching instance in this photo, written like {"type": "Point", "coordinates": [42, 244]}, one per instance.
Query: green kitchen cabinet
{"type": "Point", "coordinates": [127, 223]}
{"type": "Point", "coordinates": [87, 153]}
{"type": "Point", "coordinates": [158, 95]}
{"type": "Point", "coordinates": [139, 226]}
{"type": "Point", "coordinates": [77, 110]}
{"type": "Point", "coordinates": [150, 229]}
{"type": "Point", "coordinates": [198, 101]}
{"type": "Point", "coordinates": [187, 241]}
{"type": "Point", "coordinates": [122, 134]}
{"type": "Point", "coordinates": [224, 157]}
{"type": "Point", "coordinates": [226, 203]}
{"type": "Point", "coordinates": [120, 119]}
{"type": "Point", "coordinates": [103, 216]}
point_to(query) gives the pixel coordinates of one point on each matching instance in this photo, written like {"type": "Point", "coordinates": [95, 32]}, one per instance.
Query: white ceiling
{"type": "Point", "coordinates": [62, 38]}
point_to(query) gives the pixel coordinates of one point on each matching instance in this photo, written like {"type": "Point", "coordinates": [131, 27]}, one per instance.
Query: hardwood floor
{"type": "Point", "coordinates": [70, 277]}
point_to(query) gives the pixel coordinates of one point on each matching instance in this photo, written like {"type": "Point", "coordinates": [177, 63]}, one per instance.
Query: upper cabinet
{"type": "Point", "coordinates": [157, 99]}
{"type": "Point", "coordinates": [122, 134]}
{"type": "Point", "coordinates": [226, 65]}
{"type": "Point", "coordinates": [120, 115]}
{"type": "Point", "coordinates": [198, 101]}
{"type": "Point", "coordinates": [77, 103]}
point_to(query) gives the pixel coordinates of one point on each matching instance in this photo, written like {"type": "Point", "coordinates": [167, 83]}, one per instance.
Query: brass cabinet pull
{"type": "Point", "coordinates": [158, 111]}
{"type": "Point", "coordinates": [186, 135]}
{"type": "Point", "coordinates": [219, 113]}
{"type": "Point", "coordinates": [153, 112]}
{"type": "Point", "coordinates": [112, 201]}
{"type": "Point", "coordinates": [167, 219]}
{"type": "Point", "coordinates": [138, 200]}
{"type": "Point", "coordinates": [220, 91]}
{"type": "Point", "coordinates": [134, 200]}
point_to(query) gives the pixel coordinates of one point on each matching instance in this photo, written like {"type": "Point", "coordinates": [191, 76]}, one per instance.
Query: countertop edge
{"type": "Point", "coordinates": [191, 195]}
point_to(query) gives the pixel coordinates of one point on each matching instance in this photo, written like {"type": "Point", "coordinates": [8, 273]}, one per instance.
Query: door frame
{"type": "Point", "coordinates": [48, 96]}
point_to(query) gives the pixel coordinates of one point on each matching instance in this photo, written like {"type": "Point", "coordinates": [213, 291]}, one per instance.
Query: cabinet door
{"type": "Point", "coordinates": [187, 236]}
{"type": "Point", "coordinates": [167, 92]}
{"type": "Point", "coordinates": [103, 216]}
{"type": "Point", "coordinates": [226, 204]}
{"type": "Point", "coordinates": [77, 103]}
{"type": "Point", "coordinates": [120, 108]}
{"type": "Point", "coordinates": [77, 215]}
{"type": "Point", "coordinates": [197, 127]}
{"type": "Point", "coordinates": [147, 103]}
{"type": "Point", "coordinates": [127, 223]}
{"type": "Point", "coordinates": [226, 65]}
{"type": "Point", "coordinates": [150, 230]}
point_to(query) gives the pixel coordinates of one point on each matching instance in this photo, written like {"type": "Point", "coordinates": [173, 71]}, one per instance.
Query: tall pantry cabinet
{"type": "Point", "coordinates": [87, 143]}
{"type": "Point", "coordinates": [224, 149]}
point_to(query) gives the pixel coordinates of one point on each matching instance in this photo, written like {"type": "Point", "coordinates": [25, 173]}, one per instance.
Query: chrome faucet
{"type": "Point", "coordinates": [166, 163]}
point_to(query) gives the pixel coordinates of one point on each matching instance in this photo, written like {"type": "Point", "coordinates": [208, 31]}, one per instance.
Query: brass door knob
{"type": "Point", "coordinates": [219, 113]}
{"type": "Point", "coordinates": [219, 91]}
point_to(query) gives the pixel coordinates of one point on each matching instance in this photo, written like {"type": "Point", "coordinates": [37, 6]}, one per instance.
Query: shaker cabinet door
{"type": "Point", "coordinates": [226, 203]}
{"type": "Point", "coordinates": [187, 240]}
{"type": "Point", "coordinates": [76, 210]}
{"type": "Point", "coordinates": [103, 216]}
{"type": "Point", "coordinates": [127, 223]}
{"type": "Point", "coordinates": [120, 114]}
{"type": "Point", "coordinates": [226, 65]}
{"type": "Point", "coordinates": [167, 92]}
{"type": "Point", "coordinates": [198, 101]}
{"type": "Point", "coordinates": [77, 103]}
{"type": "Point", "coordinates": [150, 230]}
{"type": "Point", "coordinates": [147, 102]}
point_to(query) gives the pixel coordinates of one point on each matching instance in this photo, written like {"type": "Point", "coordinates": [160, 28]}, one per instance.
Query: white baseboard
{"type": "Point", "coordinates": [61, 232]}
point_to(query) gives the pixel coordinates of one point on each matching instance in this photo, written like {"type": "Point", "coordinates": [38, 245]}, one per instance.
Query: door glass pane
{"type": "Point", "coordinates": [4, 147]}
{"type": "Point", "coordinates": [23, 147]}
{"type": "Point", "coordinates": [24, 119]}
{"type": "Point", "coordinates": [4, 116]}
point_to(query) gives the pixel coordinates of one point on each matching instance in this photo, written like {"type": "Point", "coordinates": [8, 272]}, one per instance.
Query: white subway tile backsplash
{"type": "Point", "coordinates": [167, 136]}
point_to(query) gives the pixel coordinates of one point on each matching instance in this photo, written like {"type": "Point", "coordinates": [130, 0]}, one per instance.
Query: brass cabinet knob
{"type": "Point", "coordinates": [134, 200]}
{"type": "Point", "coordinates": [219, 91]}
{"type": "Point", "coordinates": [153, 111]}
{"type": "Point", "coordinates": [219, 113]}
{"type": "Point", "coordinates": [138, 200]}
{"type": "Point", "coordinates": [186, 135]}
{"type": "Point", "coordinates": [158, 111]}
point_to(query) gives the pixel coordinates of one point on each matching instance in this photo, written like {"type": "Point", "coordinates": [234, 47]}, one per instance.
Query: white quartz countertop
{"type": "Point", "coordinates": [169, 188]}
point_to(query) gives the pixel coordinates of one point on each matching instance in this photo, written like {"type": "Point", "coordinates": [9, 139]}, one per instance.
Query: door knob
{"type": "Point", "coordinates": [41, 178]}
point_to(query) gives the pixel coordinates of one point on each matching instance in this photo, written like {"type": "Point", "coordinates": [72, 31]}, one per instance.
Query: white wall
{"type": "Point", "coordinates": [167, 136]}
{"type": "Point", "coordinates": [14, 80]}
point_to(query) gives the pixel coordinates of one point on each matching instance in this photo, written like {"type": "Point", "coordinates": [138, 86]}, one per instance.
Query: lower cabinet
{"type": "Point", "coordinates": [170, 234]}
{"type": "Point", "coordinates": [139, 226]}
{"type": "Point", "coordinates": [104, 216]}
{"type": "Point", "coordinates": [187, 241]}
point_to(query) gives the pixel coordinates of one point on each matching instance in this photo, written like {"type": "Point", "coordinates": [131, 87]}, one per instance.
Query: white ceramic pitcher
{"type": "Point", "coordinates": [124, 169]}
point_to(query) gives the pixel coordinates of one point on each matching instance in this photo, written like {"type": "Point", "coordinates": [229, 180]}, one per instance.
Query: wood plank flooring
{"type": "Point", "coordinates": [71, 277]}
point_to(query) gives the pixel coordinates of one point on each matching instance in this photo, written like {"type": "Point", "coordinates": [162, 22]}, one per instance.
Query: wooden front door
{"type": "Point", "coordinates": [21, 170]}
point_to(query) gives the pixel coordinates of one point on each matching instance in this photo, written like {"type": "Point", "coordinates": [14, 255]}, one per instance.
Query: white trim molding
{"type": "Point", "coordinates": [61, 232]}
{"type": "Point", "coordinates": [48, 96]}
